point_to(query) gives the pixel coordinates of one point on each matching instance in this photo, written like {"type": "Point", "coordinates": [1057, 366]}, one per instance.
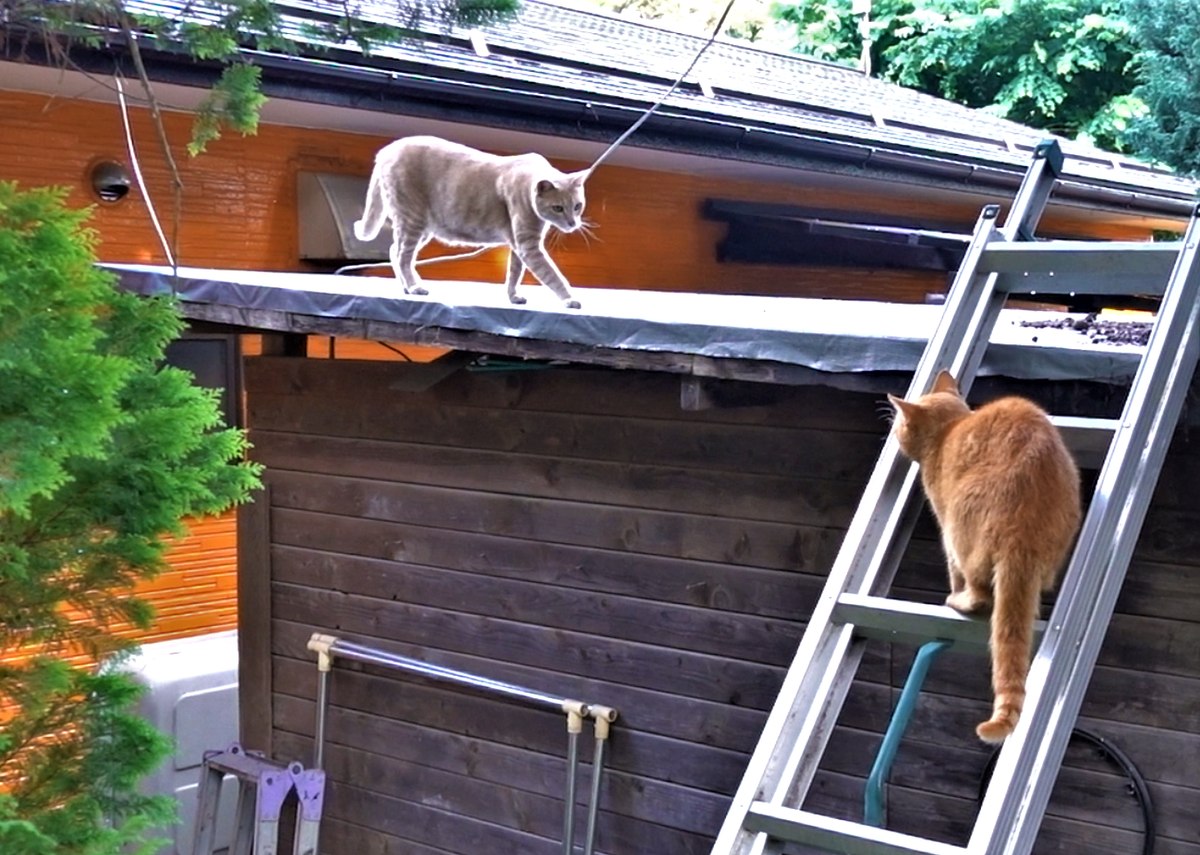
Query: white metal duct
{"type": "Point", "coordinates": [328, 205]}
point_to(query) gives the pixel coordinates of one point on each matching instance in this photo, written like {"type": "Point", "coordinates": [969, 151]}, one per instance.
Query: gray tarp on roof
{"type": "Point", "coordinates": [836, 336]}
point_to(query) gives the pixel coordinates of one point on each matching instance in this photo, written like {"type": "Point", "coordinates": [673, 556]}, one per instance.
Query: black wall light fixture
{"type": "Point", "coordinates": [108, 180]}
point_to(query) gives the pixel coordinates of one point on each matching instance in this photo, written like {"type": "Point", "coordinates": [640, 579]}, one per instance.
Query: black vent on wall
{"type": "Point", "coordinates": [763, 233]}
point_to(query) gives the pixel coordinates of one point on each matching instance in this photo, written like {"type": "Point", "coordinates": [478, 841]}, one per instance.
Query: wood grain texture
{"type": "Point", "coordinates": [254, 622]}
{"type": "Point", "coordinates": [575, 531]}
{"type": "Point", "coordinates": [239, 208]}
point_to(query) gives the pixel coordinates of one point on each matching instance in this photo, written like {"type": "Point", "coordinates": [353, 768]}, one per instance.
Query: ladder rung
{"type": "Point", "coordinates": [839, 835]}
{"type": "Point", "coordinates": [1081, 267]}
{"type": "Point", "coordinates": [914, 623]}
{"type": "Point", "coordinates": [1088, 439]}
{"type": "Point", "coordinates": [245, 767]}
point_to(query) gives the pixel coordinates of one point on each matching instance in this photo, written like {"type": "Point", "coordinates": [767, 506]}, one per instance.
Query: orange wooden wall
{"type": "Point", "coordinates": [239, 207]}
{"type": "Point", "coordinates": [238, 211]}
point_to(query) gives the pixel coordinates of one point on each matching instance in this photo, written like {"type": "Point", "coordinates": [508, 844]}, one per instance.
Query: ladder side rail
{"type": "Point", "coordinates": [822, 648]}
{"type": "Point", "coordinates": [1034, 192]}
{"type": "Point", "coordinates": [823, 712]}
{"type": "Point", "coordinates": [959, 342]}
{"type": "Point", "coordinates": [1069, 698]}
{"type": "Point", "coordinates": [1058, 676]}
{"type": "Point", "coordinates": [961, 353]}
{"type": "Point", "coordinates": [1019, 225]}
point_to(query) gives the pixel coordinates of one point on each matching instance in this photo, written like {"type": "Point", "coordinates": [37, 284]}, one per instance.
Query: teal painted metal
{"type": "Point", "coordinates": [873, 796]}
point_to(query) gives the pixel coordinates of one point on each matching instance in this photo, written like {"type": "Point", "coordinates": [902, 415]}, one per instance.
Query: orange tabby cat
{"type": "Point", "coordinates": [431, 188]}
{"type": "Point", "coordinates": [1005, 491]}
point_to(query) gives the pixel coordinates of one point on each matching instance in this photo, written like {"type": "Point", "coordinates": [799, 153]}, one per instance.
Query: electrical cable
{"type": "Point", "coordinates": [1111, 752]}
{"type": "Point", "coordinates": [137, 171]}
{"type": "Point", "coordinates": [678, 80]}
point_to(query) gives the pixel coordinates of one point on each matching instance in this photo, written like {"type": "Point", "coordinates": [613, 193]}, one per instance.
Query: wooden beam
{"type": "Point", "coordinates": [260, 320]}
{"type": "Point", "coordinates": [254, 622]}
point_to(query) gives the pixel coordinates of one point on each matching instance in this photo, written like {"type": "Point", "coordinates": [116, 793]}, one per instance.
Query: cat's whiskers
{"type": "Point", "coordinates": [587, 228]}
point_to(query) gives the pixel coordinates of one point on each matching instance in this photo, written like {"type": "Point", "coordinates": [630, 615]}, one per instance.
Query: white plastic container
{"type": "Point", "coordinates": [192, 696]}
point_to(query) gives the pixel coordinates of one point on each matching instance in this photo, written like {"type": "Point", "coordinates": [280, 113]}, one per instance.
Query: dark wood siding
{"type": "Point", "coordinates": [573, 530]}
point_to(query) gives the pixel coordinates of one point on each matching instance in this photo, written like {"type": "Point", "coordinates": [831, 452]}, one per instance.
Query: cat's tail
{"type": "Point", "coordinates": [373, 212]}
{"type": "Point", "coordinates": [1017, 601]}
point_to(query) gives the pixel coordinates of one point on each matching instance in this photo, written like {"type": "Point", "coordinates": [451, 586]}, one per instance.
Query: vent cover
{"type": "Point", "coordinates": [328, 205]}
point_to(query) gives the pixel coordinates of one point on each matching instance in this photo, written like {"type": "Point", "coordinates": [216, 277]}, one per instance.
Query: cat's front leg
{"type": "Point", "coordinates": [533, 254]}
{"type": "Point", "coordinates": [405, 244]}
{"type": "Point", "coordinates": [516, 269]}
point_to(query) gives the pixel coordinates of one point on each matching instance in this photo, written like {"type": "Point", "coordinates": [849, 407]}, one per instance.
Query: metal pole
{"type": "Point", "coordinates": [574, 728]}
{"type": "Point", "coordinates": [360, 653]}
{"type": "Point", "coordinates": [329, 646]}
{"type": "Point", "coordinates": [602, 716]}
{"type": "Point", "coordinates": [322, 710]}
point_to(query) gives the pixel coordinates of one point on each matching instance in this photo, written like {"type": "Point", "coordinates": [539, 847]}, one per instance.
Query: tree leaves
{"type": "Point", "coordinates": [225, 31]}
{"type": "Point", "coordinates": [1062, 65]}
{"type": "Point", "coordinates": [102, 452]}
{"type": "Point", "coordinates": [1168, 61]}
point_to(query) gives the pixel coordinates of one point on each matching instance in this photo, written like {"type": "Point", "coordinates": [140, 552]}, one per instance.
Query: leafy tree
{"type": "Point", "coordinates": [828, 29]}
{"type": "Point", "coordinates": [1168, 34]}
{"type": "Point", "coordinates": [103, 451]}
{"type": "Point", "coordinates": [748, 20]}
{"type": "Point", "coordinates": [1062, 65]}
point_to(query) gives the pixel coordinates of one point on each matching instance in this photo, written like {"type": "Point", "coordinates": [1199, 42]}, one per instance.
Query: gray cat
{"type": "Point", "coordinates": [431, 188]}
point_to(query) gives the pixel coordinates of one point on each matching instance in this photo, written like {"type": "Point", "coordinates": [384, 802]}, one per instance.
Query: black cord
{"type": "Point", "coordinates": [1107, 750]}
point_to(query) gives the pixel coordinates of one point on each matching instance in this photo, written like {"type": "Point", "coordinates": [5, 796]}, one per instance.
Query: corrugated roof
{"type": "Point", "coordinates": [594, 60]}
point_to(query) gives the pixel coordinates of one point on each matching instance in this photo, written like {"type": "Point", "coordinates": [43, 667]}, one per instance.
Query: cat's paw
{"type": "Point", "coordinates": [572, 304]}
{"type": "Point", "coordinates": [417, 290]}
{"type": "Point", "coordinates": [966, 603]}
{"type": "Point", "coordinates": [516, 300]}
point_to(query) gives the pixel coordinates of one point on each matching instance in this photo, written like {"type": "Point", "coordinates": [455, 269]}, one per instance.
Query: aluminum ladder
{"type": "Point", "coordinates": [766, 813]}
{"type": "Point", "coordinates": [263, 787]}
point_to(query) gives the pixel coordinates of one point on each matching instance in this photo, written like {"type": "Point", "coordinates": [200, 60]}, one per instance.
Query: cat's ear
{"type": "Point", "coordinates": [901, 405]}
{"type": "Point", "coordinates": [945, 382]}
{"type": "Point", "coordinates": [544, 186]}
{"type": "Point", "coordinates": [577, 179]}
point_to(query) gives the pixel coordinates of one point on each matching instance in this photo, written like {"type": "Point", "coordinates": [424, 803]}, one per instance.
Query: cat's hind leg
{"type": "Point", "coordinates": [973, 599]}
{"type": "Point", "coordinates": [516, 269]}
{"type": "Point", "coordinates": [970, 582]}
{"type": "Point", "coordinates": [406, 241]}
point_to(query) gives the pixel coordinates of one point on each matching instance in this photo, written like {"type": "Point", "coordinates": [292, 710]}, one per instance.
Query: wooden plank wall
{"type": "Point", "coordinates": [198, 592]}
{"type": "Point", "coordinates": [572, 530]}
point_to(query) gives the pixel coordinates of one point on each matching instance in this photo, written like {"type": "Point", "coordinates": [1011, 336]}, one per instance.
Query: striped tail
{"type": "Point", "coordinates": [1016, 607]}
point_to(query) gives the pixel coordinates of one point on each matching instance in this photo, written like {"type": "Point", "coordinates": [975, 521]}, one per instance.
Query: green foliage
{"type": "Point", "coordinates": [234, 101]}
{"type": "Point", "coordinates": [102, 452]}
{"type": "Point", "coordinates": [827, 29]}
{"type": "Point", "coordinates": [1168, 35]}
{"type": "Point", "coordinates": [224, 30]}
{"type": "Point", "coordinates": [81, 753]}
{"type": "Point", "coordinates": [1062, 65]}
{"type": "Point", "coordinates": [748, 20]}
{"type": "Point", "coordinates": [474, 13]}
